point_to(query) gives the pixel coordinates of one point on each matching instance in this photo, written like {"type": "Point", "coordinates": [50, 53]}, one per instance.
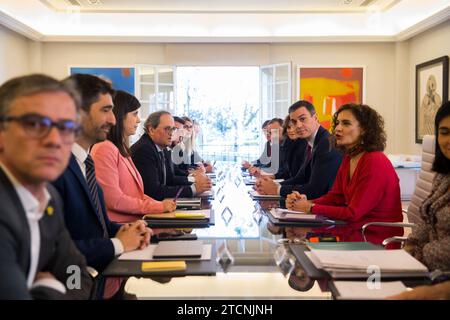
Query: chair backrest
{"type": "Point", "coordinates": [424, 180]}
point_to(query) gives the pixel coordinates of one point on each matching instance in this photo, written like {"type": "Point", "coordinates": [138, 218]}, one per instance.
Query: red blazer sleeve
{"type": "Point", "coordinates": [111, 174]}
{"type": "Point", "coordinates": [366, 196]}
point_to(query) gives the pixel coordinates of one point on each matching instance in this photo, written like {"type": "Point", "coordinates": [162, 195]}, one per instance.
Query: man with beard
{"type": "Point", "coordinates": [99, 239]}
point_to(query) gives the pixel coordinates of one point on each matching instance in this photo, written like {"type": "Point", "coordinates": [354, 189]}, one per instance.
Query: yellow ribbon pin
{"type": "Point", "coordinates": [50, 210]}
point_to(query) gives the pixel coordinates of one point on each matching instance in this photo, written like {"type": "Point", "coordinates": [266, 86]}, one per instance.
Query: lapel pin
{"type": "Point", "coordinates": [50, 210]}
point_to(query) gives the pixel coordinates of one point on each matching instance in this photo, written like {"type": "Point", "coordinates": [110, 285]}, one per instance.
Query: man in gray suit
{"type": "Point", "coordinates": [38, 125]}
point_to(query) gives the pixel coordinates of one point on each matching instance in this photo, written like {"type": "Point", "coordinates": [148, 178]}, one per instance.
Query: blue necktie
{"type": "Point", "coordinates": [92, 184]}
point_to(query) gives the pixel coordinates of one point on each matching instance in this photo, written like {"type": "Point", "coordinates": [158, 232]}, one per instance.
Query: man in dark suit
{"type": "Point", "coordinates": [99, 239]}
{"type": "Point", "coordinates": [320, 163]}
{"type": "Point", "coordinates": [38, 259]}
{"type": "Point", "coordinates": [149, 157]}
{"type": "Point", "coordinates": [261, 161]}
{"type": "Point", "coordinates": [271, 162]}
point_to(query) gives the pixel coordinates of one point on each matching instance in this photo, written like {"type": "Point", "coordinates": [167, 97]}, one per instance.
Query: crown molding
{"type": "Point", "coordinates": [19, 27]}
{"type": "Point", "coordinates": [424, 25]}
{"type": "Point", "coordinates": [154, 39]}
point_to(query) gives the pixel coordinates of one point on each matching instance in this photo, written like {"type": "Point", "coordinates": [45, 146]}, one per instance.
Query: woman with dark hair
{"type": "Point", "coordinates": [120, 180]}
{"type": "Point", "coordinates": [291, 144]}
{"type": "Point", "coordinates": [430, 240]}
{"type": "Point", "coordinates": [366, 184]}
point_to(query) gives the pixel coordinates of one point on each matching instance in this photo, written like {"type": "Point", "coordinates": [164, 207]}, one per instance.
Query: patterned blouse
{"type": "Point", "coordinates": [431, 238]}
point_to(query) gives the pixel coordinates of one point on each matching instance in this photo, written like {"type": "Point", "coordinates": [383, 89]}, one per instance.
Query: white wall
{"type": "Point", "coordinates": [14, 54]}
{"type": "Point", "coordinates": [378, 59]}
{"type": "Point", "coordinates": [431, 44]}
{"type": "Point", "coordinates": [390, 67]}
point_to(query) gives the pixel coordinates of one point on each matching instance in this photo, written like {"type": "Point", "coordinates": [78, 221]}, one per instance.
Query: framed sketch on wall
{"type": "Point", "coordinates": [121, 78]}
{"type": "Point", "coordinates": [328, 88]}
{"type": "Point", "coordinates": [431, 92]}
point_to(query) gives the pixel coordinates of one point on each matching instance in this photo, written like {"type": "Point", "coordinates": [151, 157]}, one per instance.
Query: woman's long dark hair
{"type": "Point", "coordinates": [123, 104]}
{"type": "Point", "coordinates": [441, 163]}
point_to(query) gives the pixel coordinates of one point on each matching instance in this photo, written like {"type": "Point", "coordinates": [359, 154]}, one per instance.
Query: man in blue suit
{"type": "Point", "coordinates": [99, 239]}
{"type": "Point", "coordinates": [320, 162]}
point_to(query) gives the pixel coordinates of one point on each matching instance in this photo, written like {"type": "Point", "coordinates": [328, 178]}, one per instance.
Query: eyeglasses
{"type": "Point", "coordinates": [169, 130]}
{"type": "Point", "coordinates": [37, 126]}
{"type": "Point", "coordinates": [187, 127]}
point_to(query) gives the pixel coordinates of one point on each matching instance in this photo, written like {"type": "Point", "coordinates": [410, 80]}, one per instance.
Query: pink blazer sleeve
{"type": "Point", "coordinates": [113, 176]}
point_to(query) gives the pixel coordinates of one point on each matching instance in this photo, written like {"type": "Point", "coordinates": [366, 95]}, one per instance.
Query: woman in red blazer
{"type": "Point", "coordinates": [115, 171]}
{"type": "Point", "coordinates": [366, 184]}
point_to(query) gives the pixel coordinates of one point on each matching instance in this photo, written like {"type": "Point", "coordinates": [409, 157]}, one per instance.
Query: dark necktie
{"type": "Point", "coordinates": [308, 153]}
{"type": "Point", "coordinates": [163, 162]}
{"type": "Point", "coordinates": [93, 188]}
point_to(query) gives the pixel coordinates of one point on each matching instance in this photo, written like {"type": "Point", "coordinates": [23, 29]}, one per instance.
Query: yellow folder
{"type": "Point", "coordinates": [153, 266]}
{"type": "Point", "coordinates": [189, 215]}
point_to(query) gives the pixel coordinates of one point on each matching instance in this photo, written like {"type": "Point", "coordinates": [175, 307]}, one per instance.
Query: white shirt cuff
{"type": "Point", "coordinates": [194, 190]}
{"type": "Point", "coordinates": [191, 178]}
{"type": "Point", "coordinates": [118, 246]}
{"type": "Point", "coordinates": [50, 283]}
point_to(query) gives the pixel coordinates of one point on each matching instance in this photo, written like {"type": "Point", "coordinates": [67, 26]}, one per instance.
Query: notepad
{"type": "Point", "coordinates": [154, 266]}
{"type": "Point", "coordinates": [343, 246]}
{"type": "Point", "coordinates": [361, 290]}
{"type": "Point", "coordinates": [178, 249]}
{"type": "Point", "coordinates": [189, 203]}
{"type": "Point", "coordinates": [256, 195]}
{"type": "Point", "coordinates": [358, 263]}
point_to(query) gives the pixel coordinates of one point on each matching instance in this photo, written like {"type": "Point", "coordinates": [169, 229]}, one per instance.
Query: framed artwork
{"type": "Point", "coordinates": [328, 88]}
{"type": "Point", "coordinates": [121, 78]}
{"type": "Point", "coordinates": [431, 92]}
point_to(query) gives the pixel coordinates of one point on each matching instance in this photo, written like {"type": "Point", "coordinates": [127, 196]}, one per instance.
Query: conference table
{"type": "Point", "coordinates": [252, 257]}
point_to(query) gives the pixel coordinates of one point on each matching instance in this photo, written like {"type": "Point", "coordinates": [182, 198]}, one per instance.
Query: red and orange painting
{"type": "Point", "coordinates": [328, 88]}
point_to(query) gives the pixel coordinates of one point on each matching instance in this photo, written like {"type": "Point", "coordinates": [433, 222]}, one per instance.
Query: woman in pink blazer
{"type": "Point", "coordinates": [115, 171]}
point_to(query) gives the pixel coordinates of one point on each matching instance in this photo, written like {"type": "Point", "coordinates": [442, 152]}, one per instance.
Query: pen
{"type": "Point", "coordinates": [178, 193]}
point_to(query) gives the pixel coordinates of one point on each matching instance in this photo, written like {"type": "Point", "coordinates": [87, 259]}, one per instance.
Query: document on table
{"type": "Point", "coordinates": [147, 254]}
{"type": "Point", "coordinates": [181, 214]}
{"type": "Point", "coordinates": [362, 290]}
{"type": "Point", "coordinates": [257, 195]}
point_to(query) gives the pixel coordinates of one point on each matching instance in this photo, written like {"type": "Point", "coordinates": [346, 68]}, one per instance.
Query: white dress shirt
{"type": "Point", "coordinates": [81, 155]}
{"type": "Point", "coordinates": [34, 211]}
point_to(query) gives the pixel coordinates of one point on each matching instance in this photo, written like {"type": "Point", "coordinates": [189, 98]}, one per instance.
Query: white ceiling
{"type": "Point", "coordinates": [222, 20]}
{"type": "Point", "coordinates": [235, 6]}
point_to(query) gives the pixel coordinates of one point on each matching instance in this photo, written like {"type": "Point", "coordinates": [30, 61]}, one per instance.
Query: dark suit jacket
{"type": "Point", "coordinates": [258, 163]}
{"type": "Point", "coordinates": [146, 159]}
{"type": "Point", "coordinates": [81, 217]}
{"type": "Point", "coordinates": [292, 153]}
{"type": "Point", "coordinates": [173, 178]}
{"type": "Point", "coordinates": [57, 250]}
{"type": "Point", "coordinates": [316, 177]}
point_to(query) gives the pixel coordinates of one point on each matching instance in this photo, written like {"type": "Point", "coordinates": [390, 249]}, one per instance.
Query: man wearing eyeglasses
{"type": "Point", "coordinates": [149, 158]}
{"type": "Point", "coordinates": [38, 259]}
{"type": "Point", "coordinates": [98, 238]}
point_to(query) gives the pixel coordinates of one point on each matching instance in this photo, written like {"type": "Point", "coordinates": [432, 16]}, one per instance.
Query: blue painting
{"type": "Point", "coordinates": [120, 78]}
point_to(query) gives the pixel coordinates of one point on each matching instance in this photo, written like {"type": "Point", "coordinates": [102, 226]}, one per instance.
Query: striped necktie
{"type": "Point", "coordinates": [93, 188]}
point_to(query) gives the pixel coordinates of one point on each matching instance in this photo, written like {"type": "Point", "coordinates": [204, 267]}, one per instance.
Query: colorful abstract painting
{"type": "Point", "coordinates": [120, 78]}
{"type": "Point", "coordinates": [328, 88]}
